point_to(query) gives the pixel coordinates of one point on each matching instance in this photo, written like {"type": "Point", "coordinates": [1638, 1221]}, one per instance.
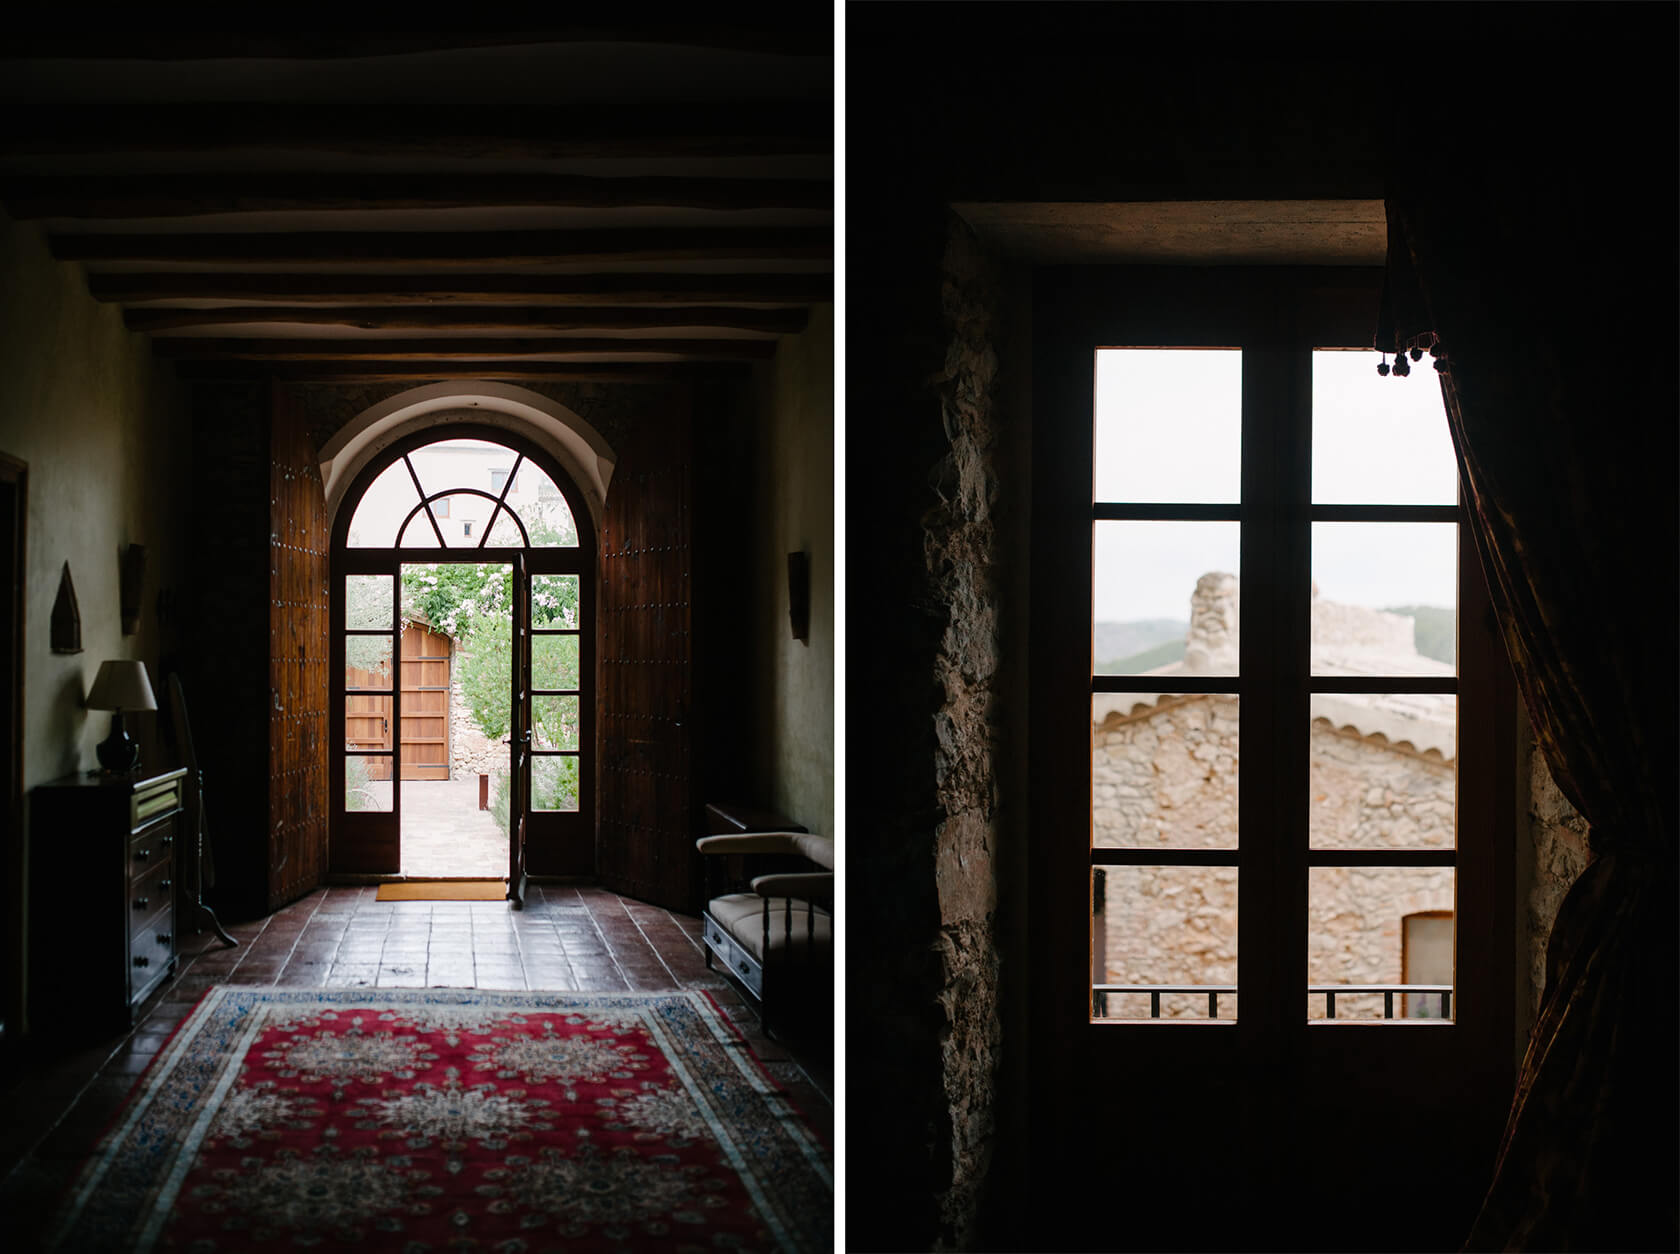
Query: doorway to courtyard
{"type": "Point", "coordinates": [462, 620]}
{"type": "Point", "coordinates": [450, 747]}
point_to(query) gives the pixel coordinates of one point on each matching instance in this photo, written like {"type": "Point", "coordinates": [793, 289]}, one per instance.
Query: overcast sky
{"type": "Point", "coordinates": [1168, 429]}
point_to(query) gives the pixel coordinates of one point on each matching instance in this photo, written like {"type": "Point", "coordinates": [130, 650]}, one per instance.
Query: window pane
{"type": "Point", "coordinates": [554, 783]}
{"type": "Point", "coordinates": [367, 722]}
{"type": "Point", "coordinates": [367, 782]}
{"type": "Point", "coordinates": [367, 662]}
{"type": "Point", "coordinates": [1163, 771]}
{"type": "Point", "coordinates": [554, 662]}
{"type": "Point", "coordinates": [1356, 937]}
{"type": "Point", "coordinates": [382, 508]}
{"type": "Point", "coordinates": [1376, 440]}
{"type": "Point", "coordinates": [504, 531]}
{"type": "Point", "coordinates": [419, 534]}
{"type": "Point", "coordinates": [554, 722]}
{"type": "Point", "coordinates": [542, 509]}
{"type": "Point", "coordinates": [1383, 770]}
{"type": "Point", "coordinates": [462, 464]}
{"type": "Point", "coordinates": [554, 601]}
{"type": "Point", "coordinates": [1385, 598]}
{"type": "Point", "coordinates": [1165, 598]}
{"type": "Point", "coordinates": [1161, 928]}
{"type": "Point", "coordinates": [369, 601]}
{"type": "Point", "coordinates": [1168, 425]}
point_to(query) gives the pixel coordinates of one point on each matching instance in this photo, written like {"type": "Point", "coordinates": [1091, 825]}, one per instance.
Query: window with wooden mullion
{"type": "Point", "coordinates": [1161, 527]}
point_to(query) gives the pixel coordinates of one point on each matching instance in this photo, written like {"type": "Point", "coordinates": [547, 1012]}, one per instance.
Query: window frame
{"type": "Point", "coordinates": [1276, 316]}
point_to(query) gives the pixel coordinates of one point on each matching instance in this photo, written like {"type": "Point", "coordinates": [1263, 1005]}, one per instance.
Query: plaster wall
{"type": "Point", "coordinates": [794, 512]}
{"type": "Point", "coordinates": [103, 429]}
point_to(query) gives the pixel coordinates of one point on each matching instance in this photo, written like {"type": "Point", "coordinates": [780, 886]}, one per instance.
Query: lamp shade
{"type": "Point", "coordinates": [122, 685]}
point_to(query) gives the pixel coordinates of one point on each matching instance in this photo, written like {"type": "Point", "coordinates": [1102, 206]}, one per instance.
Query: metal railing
{"type": "Point", "coordinates": [1100, 994]}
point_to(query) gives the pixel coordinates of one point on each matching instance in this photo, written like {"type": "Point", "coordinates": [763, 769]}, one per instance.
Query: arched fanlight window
{"type": "Point", "coordinates": [466, 494]}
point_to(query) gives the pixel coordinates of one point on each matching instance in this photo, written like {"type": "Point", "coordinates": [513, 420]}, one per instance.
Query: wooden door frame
{"type": "Point", "coordinates": [562, 842]}
{"type": "Point", "coordinates": [14, 906]}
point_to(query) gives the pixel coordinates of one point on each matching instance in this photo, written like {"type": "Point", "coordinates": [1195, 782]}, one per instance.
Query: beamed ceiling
{"type": "Point", "coordinates": [569, 204]}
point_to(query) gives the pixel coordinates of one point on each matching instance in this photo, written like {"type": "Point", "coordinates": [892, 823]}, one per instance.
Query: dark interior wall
{"type": "Point", "coordinates": [1045, 103]}
{"type": "Point", "coordinates": [928, 777]}
{"type": "Point", "coordinates": [101, 428]}
{"type": "Point", "coordinates": [225, 668]}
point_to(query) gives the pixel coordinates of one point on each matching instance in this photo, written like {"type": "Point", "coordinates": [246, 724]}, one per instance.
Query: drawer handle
{"type": "Point", "coordinates": [164, 938]}
{"type": "Point", "coordinates": [165, 885]}
{"type": "Point", "coordinates": [140, 902]}
{"type": "Point", "coordinates": [142, 961]}
{"type": "Point", "coordinates": [167, 841]}
{"type": "Point", "coordinates": [141, 855]}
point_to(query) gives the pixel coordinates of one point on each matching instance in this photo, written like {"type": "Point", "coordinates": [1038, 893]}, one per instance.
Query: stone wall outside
{"type": "Point", "coordinates": [471, 753]}
{"type": "Point", "coordinates": [1166, 775]}
{"type": "Point", "coordinates": [1559, 836]}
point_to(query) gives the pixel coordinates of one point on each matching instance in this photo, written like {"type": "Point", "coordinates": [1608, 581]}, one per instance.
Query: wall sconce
{"type": "Point", "coordinates": [799, 594]}
{"type": "Point", "coordinates": [66, 622]}
{"type": "Point", "coordinates": [131, 576]}
{"type": "Point", "coordinates": [121, 686]}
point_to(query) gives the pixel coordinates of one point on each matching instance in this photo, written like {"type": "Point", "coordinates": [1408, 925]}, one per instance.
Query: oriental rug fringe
{"type": "Point", "coordinates": [454, 1119]}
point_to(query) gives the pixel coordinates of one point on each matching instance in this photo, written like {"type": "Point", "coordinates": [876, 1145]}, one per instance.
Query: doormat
{"type": "Point", "coordinates": [432, 1119]}
{"type": "Point", "coordinates": [442, 890]}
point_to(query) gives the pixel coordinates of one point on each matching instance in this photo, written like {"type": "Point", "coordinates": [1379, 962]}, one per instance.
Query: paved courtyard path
{"type": "Point", "coordinates": [444, 833]}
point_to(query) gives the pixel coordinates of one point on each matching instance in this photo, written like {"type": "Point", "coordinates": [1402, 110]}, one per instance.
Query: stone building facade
{"type": "Point", "coordinates": [1381, 775]}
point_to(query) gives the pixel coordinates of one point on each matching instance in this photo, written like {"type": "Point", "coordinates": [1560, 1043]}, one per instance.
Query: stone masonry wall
{"type": "Point", "coordinates": [959, 541]}
{"type": "Point", "coordinates": [471, 753]}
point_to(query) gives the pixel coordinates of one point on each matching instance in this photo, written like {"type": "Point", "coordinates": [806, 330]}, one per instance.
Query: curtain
{"type": "Point", "coordinates": [1550, 294]}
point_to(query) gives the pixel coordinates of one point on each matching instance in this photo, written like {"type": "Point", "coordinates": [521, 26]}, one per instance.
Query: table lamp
{"type": "Point", "coordinates": [120, 686]}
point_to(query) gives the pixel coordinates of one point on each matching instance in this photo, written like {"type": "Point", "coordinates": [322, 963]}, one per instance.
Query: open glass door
{"type": "Point", "coordinates": [462, 555]}
{"type": "Point", "coordinates": [519, 729]}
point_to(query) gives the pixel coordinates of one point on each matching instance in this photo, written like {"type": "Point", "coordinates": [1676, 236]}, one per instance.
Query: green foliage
{"type": "Point", "coordinates": [486, 672]}
{"type": "Point", "coordinates": [447, 596]}
{"type": "Point", "coordinates": [357, 794]}
{"type": "Point", "coordinates": [558, 792]}
{"type": "Point", "coordinates": [1434, 630]}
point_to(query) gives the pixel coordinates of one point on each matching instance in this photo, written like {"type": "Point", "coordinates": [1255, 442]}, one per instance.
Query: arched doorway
{"type": "Point", "coordinates": [476, 534]}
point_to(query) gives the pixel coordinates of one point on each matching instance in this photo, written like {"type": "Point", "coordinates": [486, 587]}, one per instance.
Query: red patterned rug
{"type": "Point", "coordinates": [454, 1120]}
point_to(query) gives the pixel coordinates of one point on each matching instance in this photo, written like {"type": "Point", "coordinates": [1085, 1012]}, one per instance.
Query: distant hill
{"type": "Point", "coordinates": [1434, 630]}
{"type": "Point", "coordinates": [1148, 660]}
{"type": "Point", "coordinates": [1114, 644]}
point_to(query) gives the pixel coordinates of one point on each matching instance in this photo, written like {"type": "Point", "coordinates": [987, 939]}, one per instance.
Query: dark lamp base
{"type": "Point", "coordinates": [117, 753]}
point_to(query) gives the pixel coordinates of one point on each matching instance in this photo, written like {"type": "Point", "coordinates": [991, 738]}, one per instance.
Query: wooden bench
{"type": "Point", "coordinates": [775, 933]}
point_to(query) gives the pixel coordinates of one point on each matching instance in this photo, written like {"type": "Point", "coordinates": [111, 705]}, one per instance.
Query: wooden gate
{"type": "Point", "coordinates": [425, 703]}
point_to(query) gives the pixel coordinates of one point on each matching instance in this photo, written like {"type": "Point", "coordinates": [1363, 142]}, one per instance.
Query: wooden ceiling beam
{"type": "Point", "coordinates": [195, 195]}
{"type": "Point", "coordinates": [589, 130]}
{"type": "Point", "coordinates": [473, 318]}
{"type": "Point", "coordinates": [410, 371]}
{"type": "Point", "coordinates": [439, 349]}
{"type": "Point", "coordinates": [796, 34]}
{"type": "Point", "coordinates": [451, 248]}
{"type": "Point", "coordinates": [471, 289]}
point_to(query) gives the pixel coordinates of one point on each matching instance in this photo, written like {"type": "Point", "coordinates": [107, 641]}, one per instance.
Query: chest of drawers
{"type": "Point", "coordinates": [102, 898]}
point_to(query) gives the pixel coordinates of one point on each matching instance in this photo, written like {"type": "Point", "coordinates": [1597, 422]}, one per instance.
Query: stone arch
{"type": "Point", "coordinates": [583, 453]}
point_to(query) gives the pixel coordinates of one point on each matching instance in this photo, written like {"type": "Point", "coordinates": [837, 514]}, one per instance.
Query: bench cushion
{"type": "Point", "coordinates": [742, 916]}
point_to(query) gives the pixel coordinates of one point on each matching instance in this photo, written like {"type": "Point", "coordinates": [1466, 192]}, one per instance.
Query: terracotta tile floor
{"type": "Point", "coordinates": [55, 1107]}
